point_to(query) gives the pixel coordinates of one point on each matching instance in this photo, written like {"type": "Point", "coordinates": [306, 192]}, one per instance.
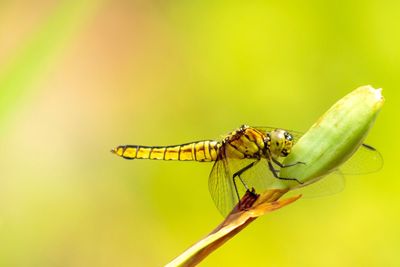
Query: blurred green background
{"type": "Point", "coordinates": [79, 77]}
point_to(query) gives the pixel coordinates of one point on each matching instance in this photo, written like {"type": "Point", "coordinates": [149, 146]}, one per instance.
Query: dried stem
{"type": "Point", "coordinates": [251, 206]}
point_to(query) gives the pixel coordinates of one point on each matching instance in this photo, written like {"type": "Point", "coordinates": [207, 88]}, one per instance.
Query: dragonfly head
{"type": "Point", "coordinates": [281, 143]}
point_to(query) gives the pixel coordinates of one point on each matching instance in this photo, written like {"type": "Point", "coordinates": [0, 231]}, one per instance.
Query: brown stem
{"type": "Point", "coordinates": [250, 208]}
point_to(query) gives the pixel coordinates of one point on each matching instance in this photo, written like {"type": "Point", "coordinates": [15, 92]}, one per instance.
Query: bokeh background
{"type": "Point", "coordinates": [79, 77]}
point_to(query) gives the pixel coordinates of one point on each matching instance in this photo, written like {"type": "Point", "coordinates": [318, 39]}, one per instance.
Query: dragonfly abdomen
{"type": "Point", "coordinates": [196, 151]}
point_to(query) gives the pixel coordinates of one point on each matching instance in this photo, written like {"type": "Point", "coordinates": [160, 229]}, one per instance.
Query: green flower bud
{"type": "Point", "coordinates": [333, 139]}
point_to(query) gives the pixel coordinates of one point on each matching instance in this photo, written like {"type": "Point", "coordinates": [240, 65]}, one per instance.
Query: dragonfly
{"type": "Point", "coordinates": [250, 158]}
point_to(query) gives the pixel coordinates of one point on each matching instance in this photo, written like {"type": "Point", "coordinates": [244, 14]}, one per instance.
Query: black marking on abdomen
{"type": "Point", "coordinates": [179, 153]}
{"type": "Point", "coordinates": [165, 152]}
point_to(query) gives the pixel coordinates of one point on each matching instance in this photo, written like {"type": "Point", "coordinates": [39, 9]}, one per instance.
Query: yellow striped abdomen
{"type": "Point", "coordinates": [197, 151]}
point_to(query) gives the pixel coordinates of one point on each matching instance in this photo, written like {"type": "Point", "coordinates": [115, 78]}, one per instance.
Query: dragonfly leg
{"type": "Point", "coordinates": [289, 165]}
{"type": "Point", "coordinates": [275, 173]}
{"type": "Point", "coordinates": [238, 173]}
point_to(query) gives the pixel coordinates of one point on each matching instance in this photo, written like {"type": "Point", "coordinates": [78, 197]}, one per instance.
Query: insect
{"type": "Point", "coordinates": [249, 157]}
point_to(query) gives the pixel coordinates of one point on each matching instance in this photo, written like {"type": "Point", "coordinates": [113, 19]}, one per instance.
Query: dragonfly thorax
{"type": "Point", "coordinates": [280, 143]}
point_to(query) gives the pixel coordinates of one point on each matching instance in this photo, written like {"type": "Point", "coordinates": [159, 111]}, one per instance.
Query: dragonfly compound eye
{"type": "Point", "coordinates": [288, 136]}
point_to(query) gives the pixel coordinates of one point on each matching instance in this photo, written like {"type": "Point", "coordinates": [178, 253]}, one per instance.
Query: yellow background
{"type": "Point", "coordinates": [79, 77]}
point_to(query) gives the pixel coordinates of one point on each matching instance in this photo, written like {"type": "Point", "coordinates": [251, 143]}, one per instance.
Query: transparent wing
{"type": "Point", "coordinates": [365, 160]}
{"type": "Point", "coordinates": [258, 176]}
{"type": "Point", "coordinates": [261, 178]}
{"type": "Point", "coordinates": [221, 186]}
{"type": "Point", "coordinates": [330, 184]}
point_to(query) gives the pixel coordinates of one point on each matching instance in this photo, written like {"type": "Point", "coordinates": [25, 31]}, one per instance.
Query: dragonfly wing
{"type": "Point", "coordinates": [259, 176]}
{"type": "Point", "coordinates": [330, 184]}
{"type": "Point", "coordinates": [221, 186]}
{"type": "Point", "coordinates": [365, 160]}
